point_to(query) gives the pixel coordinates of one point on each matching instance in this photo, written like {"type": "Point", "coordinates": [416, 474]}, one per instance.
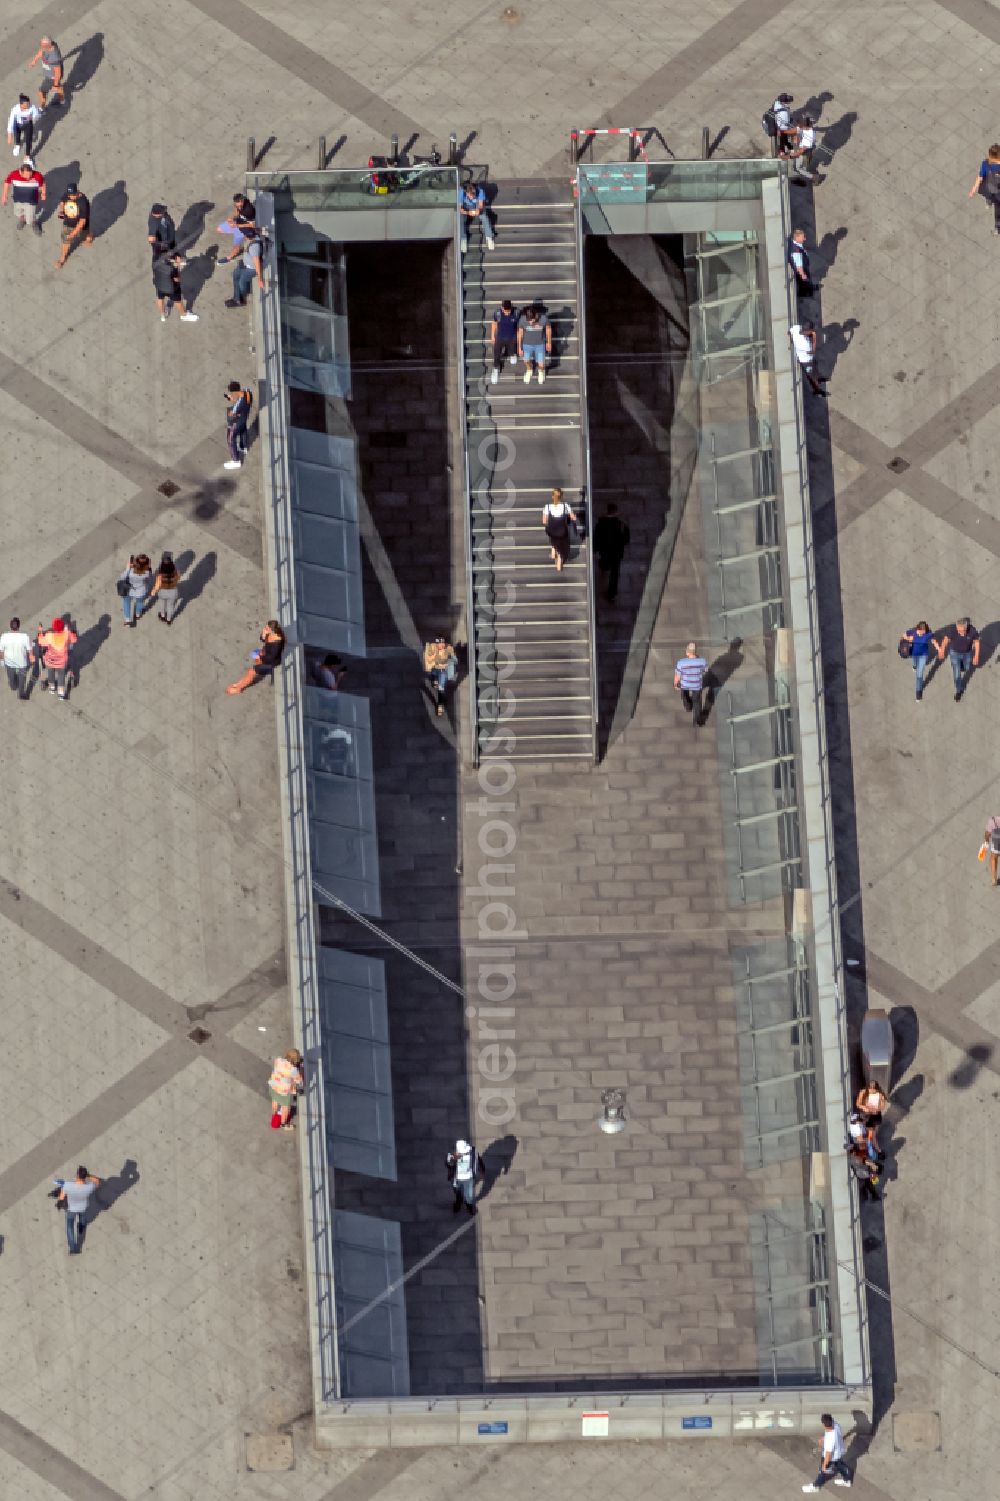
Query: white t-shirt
{"type": "Point", "coordinates": [19, 116]}
{"type": "Point", "coordinates": [802, 345]}
{"type": "Point", "coordinates": [833, 1443]}
{"type": "Point", "coordinates": [807, 138]}
{"type": "Point", "coordinates": [14, 648]}
{"type": "Point", "coordinates": [782, 115]}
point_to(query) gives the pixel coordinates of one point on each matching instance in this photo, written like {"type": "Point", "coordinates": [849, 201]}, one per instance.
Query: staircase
{"type": "Point", "coordinates": [533, 627]}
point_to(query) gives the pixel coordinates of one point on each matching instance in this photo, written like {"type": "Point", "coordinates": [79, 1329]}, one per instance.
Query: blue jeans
{"type": "Point", "coordinates": [837, 1467]}
{"type": "Point", "coordinates": [132, 608]}
{"type": "Point", "coordinates": [242, 282]}
{"type": "Point", "coordinates": [467, 1189]}
{"type": "Point", "coordinates": [74, 1225]}
{"type": "Point", "coordinates": [920, 668]}
{"type": "Point", "coordinates": [961, 666]}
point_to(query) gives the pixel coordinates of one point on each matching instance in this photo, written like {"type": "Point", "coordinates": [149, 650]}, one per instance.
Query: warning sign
{"type": "Point", "coordinates": [595, 1425]}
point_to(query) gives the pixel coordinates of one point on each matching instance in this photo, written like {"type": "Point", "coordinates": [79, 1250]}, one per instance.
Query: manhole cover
{"type": "Point", "coordinates": [168, 488]}
{"type": "Point", "coordinates": [898, 465]}
{"type": "Point", "coordinates": [269, 1453]}
{"type": "Point", "coordinates": [916, 1432]}
{"type": "Point", "coordinates": [199, 1035]}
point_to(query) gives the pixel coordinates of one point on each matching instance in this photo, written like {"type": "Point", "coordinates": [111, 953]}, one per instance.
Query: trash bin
{"type": "Point", "coordinates": [876, 1049]}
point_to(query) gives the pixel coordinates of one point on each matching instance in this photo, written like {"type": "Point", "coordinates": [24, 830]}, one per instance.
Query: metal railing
{"type": "Point", "coordinates": [585, 441]}
{"type": "Point", "coordinates": [471, 589]}
{"type": "Point", "coordinates": [303, 978]}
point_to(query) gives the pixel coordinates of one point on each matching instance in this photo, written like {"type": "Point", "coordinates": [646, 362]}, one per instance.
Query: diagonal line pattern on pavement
{"type": "Point", "coordinates": [934, 1009]}
{"type": "Point", "coordinates": [55, 20]}
{"type": "Point", "coordinates": [120, 980]}
{"type": "Point", "coordinates": [979, 14]}
{"type": "Point", "coordinates": [316, 72]}
{"type": "Point", "coordinates": [682, 71]}
{"type": "Point", "coordinates": [30, 1450]}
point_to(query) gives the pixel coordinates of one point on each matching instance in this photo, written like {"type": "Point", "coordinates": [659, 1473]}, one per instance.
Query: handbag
{"type": "Point", "coordinates": [124, 588]}
{"type": "Point", "coordinates": [905, 649]}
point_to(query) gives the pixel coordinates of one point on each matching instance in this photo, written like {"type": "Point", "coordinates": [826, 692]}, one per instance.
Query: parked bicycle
{"type": "Point", "coordinates": [385, 177]}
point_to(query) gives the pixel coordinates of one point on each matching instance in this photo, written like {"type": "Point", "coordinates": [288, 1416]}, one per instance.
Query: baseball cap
{"type": "Point", "coordinates": [58, 623]}
{"type": "Point", "coordinates": [28, 163]}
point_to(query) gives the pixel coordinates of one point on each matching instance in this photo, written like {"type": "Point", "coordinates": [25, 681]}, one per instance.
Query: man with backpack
{"type": "Point", "coordinates": [777, 123]}
{"type": "Point", "coordinates": [503, 337]}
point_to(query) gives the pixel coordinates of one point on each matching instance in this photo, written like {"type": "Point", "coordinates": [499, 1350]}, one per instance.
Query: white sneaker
{"type": "Point", "coordinates": [163, 317]}
{"type": "Point", "coordinates": [527, 376]}
{"type": "Point", "coordinates": [232, 464]}
{"type": "Point", "coordinates": [494, 376]}
{"type": "Point", "coordinates": [489, 244]}
{"type": "Point", "coordinates": [838, 1481]}
{"type": "Point", "coordinates": [513, 361]}
{"type": "Point", "coordinates": [541, 375]}
{"type": "Point", "coordinates": [16, 151]}
{"type": "Point", "coordinates": [189, 317]}
{"type": "Point", "coordinates": [808, 1489]}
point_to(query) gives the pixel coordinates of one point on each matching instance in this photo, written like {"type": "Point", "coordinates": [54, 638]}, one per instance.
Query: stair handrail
{"type": "Point", "coordinates": [588, 488]}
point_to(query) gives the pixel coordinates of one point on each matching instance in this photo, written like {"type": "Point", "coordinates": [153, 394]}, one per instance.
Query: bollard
{"type": "Point", "coordinates": [394, 149]}
{"type": "Point", "coordinates": [704, 143]}
{"type": "Point", "coordinates": [632, 152]}
{"type": "Point", "coordinates": [453, 149]}
{"type": "Point", "coordinates": [322, 153]}
{"type": "Point", "coordinates": [251, 153]}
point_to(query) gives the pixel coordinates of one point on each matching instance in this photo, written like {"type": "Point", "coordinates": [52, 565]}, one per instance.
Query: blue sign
{"type": "Point", "coordinates": [696, 1422]}
{"type": "Point", "coordinates": [493, 1427]}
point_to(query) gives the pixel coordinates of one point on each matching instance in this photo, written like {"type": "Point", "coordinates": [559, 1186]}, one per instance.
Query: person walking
{"type": "Point", "coordinates": [441, 666]}
{"type": "Point", "coordinates": [18, 657]}
{"type": "Point", "coordinates": [249, 265]}
{"type": "Point", "coordinates": [611, 537]}
{"type": "Point", "coordinates": [803, 338]}
{"type": "Point", "coordinates": [965, 646]}
{"type": "Point", "coordinates": [464, 1166]}
{"type": "Point", "coordinates": [534, 342]}
{"type": "Point", "coordinates": [166, 588]}
{"type": "Point", "coordinates": [161, 231]}
{"type": "Point", "coordinates": [503, 337]}
{"type": "Point", "coordinates": [50, 57]}
{"type": "Point", "coordinates": [689, 678]}
{"type": "Point", "coordinates": [798, 258]}
{"type": "Point", "coordinates": [556, 519]}
{"type": "Point", "coordinates": [134, 584]}
{"type": "Point", "coordinates": [264, 660]}
{"type": "Point", "coordinates": [54, 645]}
{"type": "Point", "coordinates": [917, 644]}
{"type": "Point", "coordinates": [74, 211]}
{"type": "Point", "coordinates": [863, 1132]}
{"type": "Point", "coordinates": [285, 1083]}
{"type": "Point", "coordinates": [76, 1196]}
{"type": "Point", "coordinates": [472, 210]}
{"type": "Point", "coordinates": [801, 148]}
{"type": "Point", "coordinates": [169, 288]}
{"type": "Point", "coordinates": [987, 183]}
{"type": "Point", "coordinates": [239, 403]}
{"type": "Point", "coordinates": [990, 845]}
{"type": "Point", "coordinates": [831, 1448]}
{"type": "Point", "coordinates": [21, 123]}
{"type": "Point", "coordinates": [27, 186]}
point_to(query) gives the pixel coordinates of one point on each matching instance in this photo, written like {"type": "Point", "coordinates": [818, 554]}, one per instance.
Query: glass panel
{"type": "Point", "coordinates": [353, 188]}
{"type": "Point", "coordinates": [709, 181]}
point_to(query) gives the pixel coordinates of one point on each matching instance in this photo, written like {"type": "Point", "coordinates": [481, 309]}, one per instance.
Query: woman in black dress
{"type": "Point", "coordinates": [556, 519]}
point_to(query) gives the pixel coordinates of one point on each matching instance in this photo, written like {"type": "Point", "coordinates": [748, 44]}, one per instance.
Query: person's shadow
{"type": "Point", "coordinates": [192, 225]}
{"type": "Point", "coordinates": [837, 340]}
{"type": "Point", "coordinates": [195, 581]}
{"type": "Point", "coordinates": [112, 1189]}
{"type": "Point", "coordinates": [88, 644]}
{"type": "Point", "coordinates": [719, 672]}
{"type": "Point", "coordinates": [989, 639]}
{"type": "Point", "coordinates": [813, 106]}
{"type": "Point", "coordinates": [108, 207]}
{"type": "Point", "coordinates": [901, 1102]}
{"type": "Point", "coordinates": [497, 1160]}
{"type": "Point", "coordinates": [198, 271]}
{"type": "Point", "coordinates": [826, 250]}
{"type": "Point", "coordinates": [837, 135]}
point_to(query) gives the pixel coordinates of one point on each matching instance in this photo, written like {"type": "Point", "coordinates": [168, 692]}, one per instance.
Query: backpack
{"type": "Point", "coordinates": [991, 184]}
{"type": "Point", "coordinates": [769, 123]}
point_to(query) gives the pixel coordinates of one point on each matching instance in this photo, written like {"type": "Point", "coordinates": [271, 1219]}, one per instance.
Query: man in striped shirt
{"type": "Point", "coordinates": [689, 677]}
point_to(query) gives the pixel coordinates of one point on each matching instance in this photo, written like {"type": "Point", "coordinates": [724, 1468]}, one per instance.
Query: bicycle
{"type": "Point", "coordinates": [385, 177]}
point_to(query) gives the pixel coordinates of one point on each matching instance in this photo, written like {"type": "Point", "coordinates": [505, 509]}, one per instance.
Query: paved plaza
{"type": "Point", "coordinates": [140, 871]}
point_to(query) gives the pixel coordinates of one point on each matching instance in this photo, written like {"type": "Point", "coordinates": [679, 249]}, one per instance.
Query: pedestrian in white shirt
{"type": "Point", "coordinates": [21, 125]}
{"type": "Point", "coordinates": [803, 337]}
{"type": "Point", "coordinates": [832, 1463]}
{"type": "Point", "coordinates": [801, 149]}
{"type": "Point", "coordinates": [18, 656]}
